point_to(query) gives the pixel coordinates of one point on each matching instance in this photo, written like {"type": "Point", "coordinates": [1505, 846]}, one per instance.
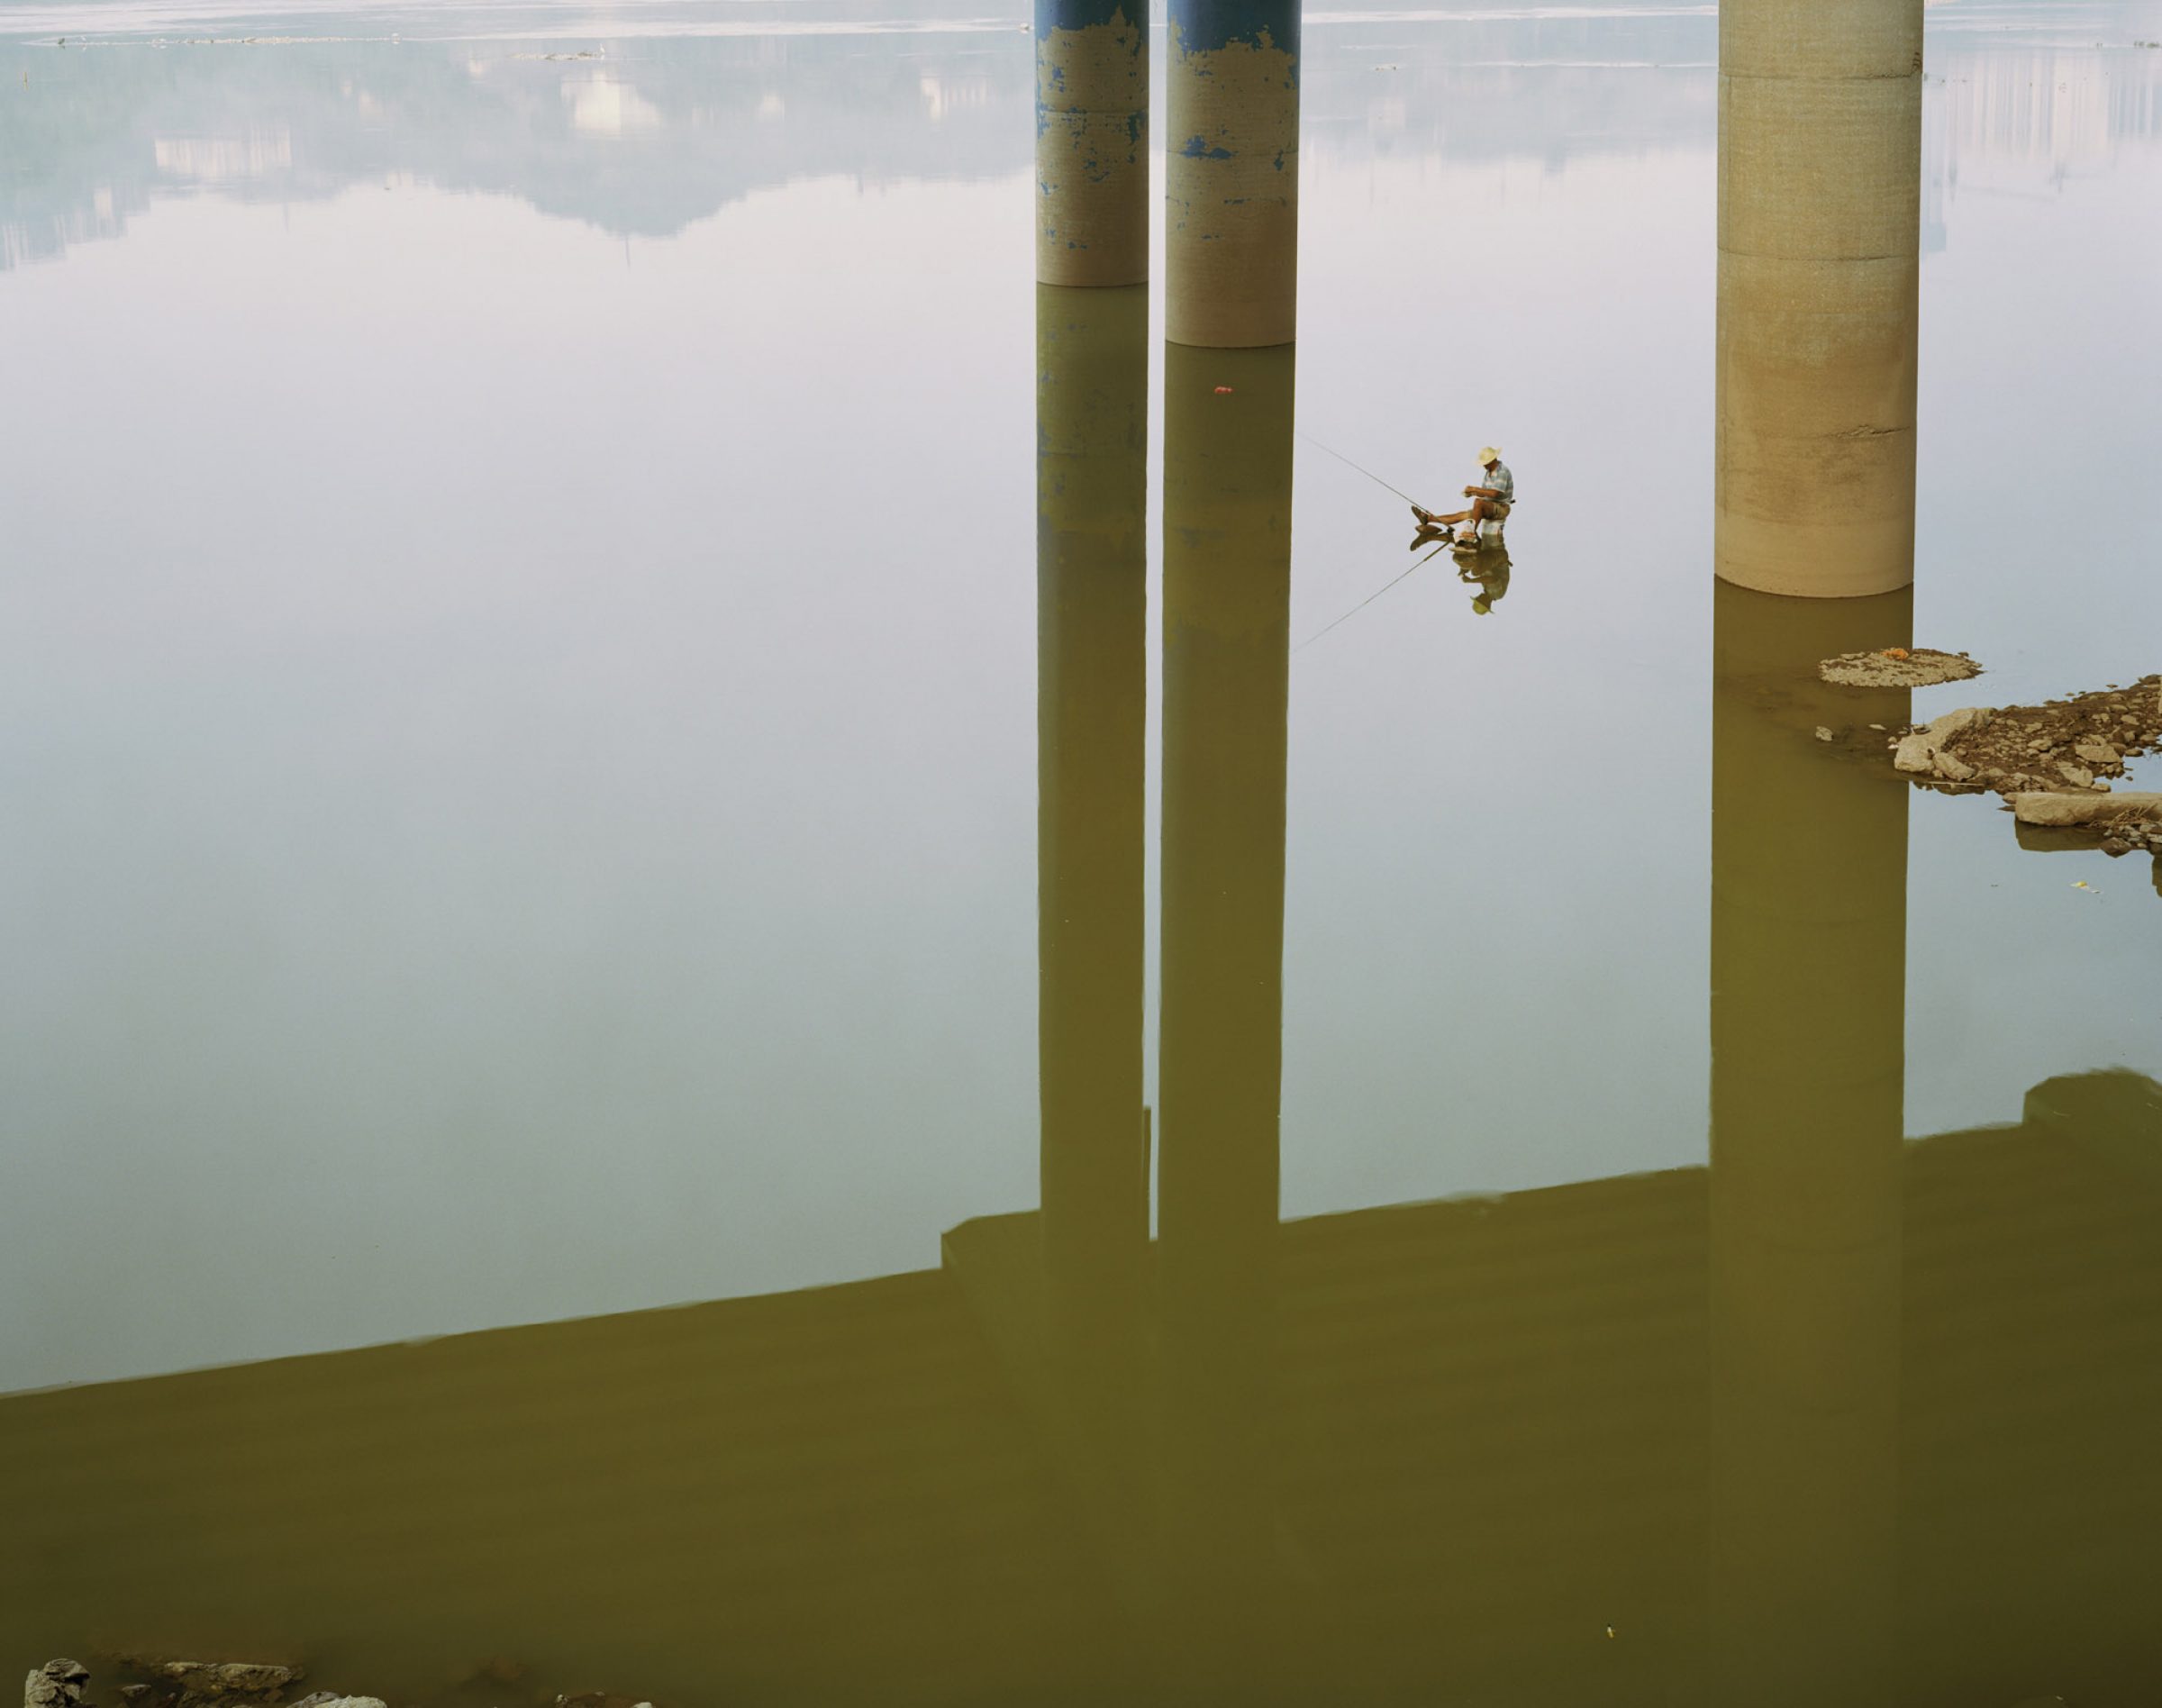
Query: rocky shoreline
{"type": "Point", "coordinates": [143, 1682]}
{"type": "Point", "coordinates": [2053, 763]}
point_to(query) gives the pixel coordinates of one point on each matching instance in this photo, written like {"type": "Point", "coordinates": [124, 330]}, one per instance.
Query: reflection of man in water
{"type": "Point", "coordinates": [1490, 569]}
{"type": "Point", "coordinates": [1489, 502]}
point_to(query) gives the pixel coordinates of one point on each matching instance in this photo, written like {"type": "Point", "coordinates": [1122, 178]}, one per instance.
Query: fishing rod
{"type": "Point", "coordinates": [1368, 473]}
{"type": "Point", "coordinates": [1370, 598]}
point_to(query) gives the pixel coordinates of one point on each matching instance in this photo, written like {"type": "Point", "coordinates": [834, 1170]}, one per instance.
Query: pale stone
{"type": "Point", "coordinates": [57, 1684]}
{"type": "Point", "coordinates": [1918, 751]}
{"type": "Point", "coordinates": [2047, 806]}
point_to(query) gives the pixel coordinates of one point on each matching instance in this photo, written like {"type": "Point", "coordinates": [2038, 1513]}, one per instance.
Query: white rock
{"type": "Point", "coordinates": [57, 1684]}
{"type": "Point", "coordinates": [2047, 806]}
{"type": "Point", "coordinates": [1917, 752]}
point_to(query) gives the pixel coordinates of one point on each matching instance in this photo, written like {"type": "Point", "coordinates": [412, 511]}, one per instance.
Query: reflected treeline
{"type": "Point", "coordinates": [658, 133]}
{"type": "Point", "coordinates": [662, 130]}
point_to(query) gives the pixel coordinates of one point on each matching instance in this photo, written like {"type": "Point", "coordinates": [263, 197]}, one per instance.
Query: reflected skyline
{"type": "Point", "coordinates": [655, 133]}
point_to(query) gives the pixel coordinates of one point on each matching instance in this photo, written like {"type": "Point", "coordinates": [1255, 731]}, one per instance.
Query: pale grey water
{"type": "Point", "coordinates": [517, 636]}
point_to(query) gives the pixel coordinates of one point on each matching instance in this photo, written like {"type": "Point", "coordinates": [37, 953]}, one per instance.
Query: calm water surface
{"type": "Point", "coordinates": [563, 597]}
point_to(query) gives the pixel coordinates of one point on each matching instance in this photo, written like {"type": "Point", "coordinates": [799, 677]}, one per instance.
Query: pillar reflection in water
{"type": "Point", "coordinates": [1092, 567]}
{"type": "Point", "coordinates": [1819, 197]}
{"type": "Point", "coordinates": [1808, 851]}
{"type": "Point", "coordinates": [1227, 586]}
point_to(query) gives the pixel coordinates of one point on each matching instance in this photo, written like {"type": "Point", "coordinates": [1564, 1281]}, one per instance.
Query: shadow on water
{"type": "Point", "coordinates": [1846, 1417]}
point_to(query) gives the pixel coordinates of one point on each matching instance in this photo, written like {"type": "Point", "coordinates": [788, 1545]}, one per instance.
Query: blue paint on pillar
{"type": "Point", "coordinates": [1202, 26]}
{"type": "Point", "coordinates": [1092, 141]}
{"type": "Point", "coordinates": [1232, 191]}
{"type": "Point", "coordinates": [1076, 15]}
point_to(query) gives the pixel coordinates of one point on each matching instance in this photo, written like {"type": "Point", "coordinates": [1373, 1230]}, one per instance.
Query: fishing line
{"type": "Point", "coordinates": [1370, 598]}
{"type": "Point", "coordinates": [1368, 473]}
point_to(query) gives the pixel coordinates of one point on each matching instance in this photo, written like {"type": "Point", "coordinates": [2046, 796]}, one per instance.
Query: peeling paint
{"type": "Point", "coordinates": [1232, 190]}
{"type": "Point", "coordinates": [1092, 145]}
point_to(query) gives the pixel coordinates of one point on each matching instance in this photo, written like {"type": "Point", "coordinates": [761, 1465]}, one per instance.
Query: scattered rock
{"type": "Point", "coordinates": [2052, 763]}
{"type": "Point", "coordinates": [2070, 744]}
{"type": "Point", "coordinates": [1898, 667]}
{"type": "Point", "coordinates": [1823, 734]}
{"type": "Point", "coordinates": [57, 1684]}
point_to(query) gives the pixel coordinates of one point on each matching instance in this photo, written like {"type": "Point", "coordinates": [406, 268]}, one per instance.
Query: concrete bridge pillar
{"type": "Point", "coordinates": [1092, 141]}
{"type": "Point", "coordinates": [1820, 213]}
{"type": "Point", "coordinates": [1092, 614]}
{"type": "Point", "coordinates": [1809, 888]}
{"type": "Point", "coordinates": [1232, 241]}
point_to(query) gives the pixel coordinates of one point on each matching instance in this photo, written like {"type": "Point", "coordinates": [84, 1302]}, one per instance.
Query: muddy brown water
{"type": "Point", "coordinates": [695, 996]}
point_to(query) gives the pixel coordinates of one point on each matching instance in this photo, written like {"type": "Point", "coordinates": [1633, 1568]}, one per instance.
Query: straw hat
{"type": "Point", "coordinates": [1489, 454]}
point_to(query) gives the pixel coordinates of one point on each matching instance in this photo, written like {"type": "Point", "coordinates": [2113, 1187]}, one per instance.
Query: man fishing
{"type": "Point", "coordinates": [1489, 502]}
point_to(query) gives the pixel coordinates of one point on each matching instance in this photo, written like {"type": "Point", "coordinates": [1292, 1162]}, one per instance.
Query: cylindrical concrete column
{"type": "Point", "coordinates": [1227, 592]}
{"type": "Point", "coordinates": [1092, 612]}
{"type": "Point", "coordinates": [1809, 886]}
{"type": "Point", "coordinates": [1231, 205]}
{"type": "Point", "coordinates": [1820, 213]}
{"type": "Point", "coordinates": [1092, 141]}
